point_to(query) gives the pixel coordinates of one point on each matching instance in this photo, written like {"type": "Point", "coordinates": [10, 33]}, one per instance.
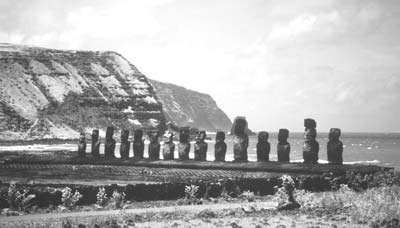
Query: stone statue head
{"type": "Point", "coordinates": [169, 137]}
{"type": "Point", "coordinates": [82, 137]}
{"type": "Point", "coordinates": [201, 136]}
{"type": "Point", "coordinates": [138, 135]}
{"type": "Point", "coordinates": [334, 134]}
{"type": "Point", "coordinates": [310, 123]}
{"type": "Point", "coordinates": [124, 135]}
{"type": "Point", "coordinates": [184, 135]}
{"type": "Point", "coordinates": [109, 132]}
{"type": "Point", "coordinates": [220, 137]}
{"type": "Point", "coordinates": [240, 126]}
{"type": "Point", "coordinates": [310, 134]}
{"type": "Point", "coordinates": [154, 137]}
{"type": "Point", "coordinates": [263, 136]}
{"type": "Point", "coordinates": [95, 134]}
{"type": "Point", "coordinates": [283, 135]}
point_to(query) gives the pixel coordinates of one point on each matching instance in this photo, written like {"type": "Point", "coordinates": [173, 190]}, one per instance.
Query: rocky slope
{"type": "Point", "coordinates": [46, 93]}
{"type": "Point", "coordinates": [49, 93]}
{"type": "Point", "coordinates": [190, 108]}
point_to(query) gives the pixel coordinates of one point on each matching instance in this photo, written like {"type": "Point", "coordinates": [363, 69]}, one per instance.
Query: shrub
{"type": "Point", "coordinates": [248, 195]}
{"type": "Point", "coordinates": [101, 197]}
{"type": "Point", "coordinates": [118, 199]}
{"type": "Point", "coordinates": [190, 194]}
{"type": "Point", "coordinates": [68, 199]}
{"type": "Point", "coordinates": [17, 200]}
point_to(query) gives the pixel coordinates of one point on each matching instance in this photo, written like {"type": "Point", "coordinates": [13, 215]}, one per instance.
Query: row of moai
{"type": "Point", "coordinates": [240, 144]}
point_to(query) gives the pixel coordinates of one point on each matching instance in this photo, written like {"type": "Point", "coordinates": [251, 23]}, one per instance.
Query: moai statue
{"type": "Point", "coordinates": [220, 146]}
{"type": "Point", "coordinates": [283, 146]}
{"type": "Point", "coordinates": [125, 145]}
{"type": "Point", "coordinates": [169, 147]}
{"type": "Point", "coordinates": [263, 147]}
{"type": "Point", "coordinates": [82, 146]}
{"type": "Point", "coordinates": [138, 144]}
{"type": "Point", "coordinates": [154, 146]}
{"type": "Point", "coordinates": [310, 146]}
{"type": "Point", "coordinates": [335, 147]}
{"type": "Point", "coordinates": [240, 140]}
{"type": "Point", "coordinates": [200, 147]}
{"type": "Point", "coordinates": [95, 144]}
{"type": "Point", "coordinates": [109, 147]}
{"type": "Point", "coordinates": [184, 145]}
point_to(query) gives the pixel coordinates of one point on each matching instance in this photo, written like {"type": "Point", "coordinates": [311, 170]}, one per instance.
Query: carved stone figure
{"type": "Point", "coordinates": [263, 147]}
{"type": "Point", "coordinates": [82, 146]}
{"type": "Point", "coordinates": [283, 146]}
{"type": "Point", "coordinates": [220, 146]}
{"type": "Point", "coordinates": [335, 147]}
{"type": "Point", "coordinates": [138, 144]}
{"type": "Point", "coordinates": [125, 145]}
{"type": "Point", "coordinates": [169, 147]}
{"type": "Point", "coordinates": [310, 146]}
{"type": "Point", "coordinates": [200, 147]}
{"type": "Point", "coordinates": [95, 150]}
{"type": "Point", "coordinates": [154, 146]}
{"type": "Point", "coordinates": [184, 145]}
{"type": "Point", "coordinates": [240, 140]}
{"type": "Point", "coordinates": [109, 147]}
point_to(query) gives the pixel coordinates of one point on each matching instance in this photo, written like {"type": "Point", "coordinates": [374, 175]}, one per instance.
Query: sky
{"type": "Point", "coordinates": [275, 62]}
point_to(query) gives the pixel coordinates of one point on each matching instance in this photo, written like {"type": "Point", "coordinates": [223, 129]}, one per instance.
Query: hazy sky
{"type": "Point", "coordinates": [275, 62]}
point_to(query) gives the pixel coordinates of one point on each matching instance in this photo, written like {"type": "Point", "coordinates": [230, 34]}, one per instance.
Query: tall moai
{"type": "Point", "coordinates": [335, 147]}
{"type": "Point", "coordinates": [283, 148]}
{"type": "Point", "coordinates": [263, 146]}
{"type": "Point", "coordinates": [200, 147]}
{"type": "Point", "coordinates": [310, 146]}
{"type": "Point", "coordinates": [95, 150]}
{"type": "Point", "coordinates": [82, 146]}
{"type": "Point", "coordinates": [169, 146]}
{"type": "Point", "coordinates": [125, 144]}
{"type": "Point", "coordinates": [138, 144]}
{"type": "Point", "coordinates": [184, 145]}
{"type": "Point", "coordinates": [154, 146]}
{"type": "Point", "coordinates": [220, 146]}
{"type": "Point", "coordinates": [109, 147]}
{"type": "Point", "coordinates": [240, 140]}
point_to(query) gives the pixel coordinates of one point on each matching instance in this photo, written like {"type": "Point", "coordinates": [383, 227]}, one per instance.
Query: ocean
{"type": "Point", "coordinates": [359, 148]}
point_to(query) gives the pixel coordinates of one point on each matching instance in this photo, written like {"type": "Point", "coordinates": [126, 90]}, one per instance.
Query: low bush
{"type": "Point", "coordinates": [68, 199]}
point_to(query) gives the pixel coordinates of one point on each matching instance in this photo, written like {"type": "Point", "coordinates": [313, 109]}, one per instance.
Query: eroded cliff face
{"type": "Point", "coordinates": [185, 107]}
{"type": "Point", "coordinates": [47, 93]}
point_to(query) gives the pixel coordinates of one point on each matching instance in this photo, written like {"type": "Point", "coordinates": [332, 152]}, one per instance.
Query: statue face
{"type": "Point", "coordinates": [109, 132]}
{"type": "Point", "coordinates": [240, 126]}
{"type": "Point", "coordinates": [154, 137]}
{"type": "Point", "coordinates": [310, 134]}
{"type": "Point", "coordinates": [263, 136]}
{"type": "Point", "coordinates": [220, 137]}
{"type": "Point", "coordinates": [82, 137]}
{"type": "Point", "coordinates": [138, 135]}
{"type": "Point", "coordinates": [124, 135]}
{"type": "Point", "coordinates": [95, 134]}
{"type": "Point", "coordinates": [169, 137]}
{"type": "Point", "coordinates": [201, 136]}
{"type": "Point", "coordinates": [334, 134]}
{"type": "Point", "coordinates": [184, 136]}
{"type": "Point", "coordinates": [283, 135]}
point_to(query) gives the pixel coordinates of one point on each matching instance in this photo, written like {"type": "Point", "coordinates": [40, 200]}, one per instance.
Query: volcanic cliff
{"type": "Point", "coordinates": [47, 93]}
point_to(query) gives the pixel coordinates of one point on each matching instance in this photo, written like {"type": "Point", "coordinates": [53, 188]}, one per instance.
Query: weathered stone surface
{"type": "Point", "coordinates": [109, 147]}
{"type": "Point", "coordinates": [263, 146]}
{"type": "Point", "coordinates": [220, 146]}
{"type": "Point", "coordinates": [138, 144]}
{"type": "Point", "coordinates": [95, 150]}
{"type": "Point", "coordinates": [240, 140]}
{"type": "Point", "coordinates": [82, 146]}
{"type": "Point", "coordinates": [310, 146]}
{"type": "Point", "coordinates": [335, 147]}
{"type": "Point", "coordinates": [184, 145]}
{"type": "Point", "coordinates": [169, 147]}
{"type": "Point", "coordinates": [283, 148]}
{"type": "Point", "coordinates": [154, 146]}
{"type": "Point", "coordinates": [200, 147]}
{"type": "Point", "coordinates": [125, 144]}
{"type": "Point", "coordinates": [310, 123]}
